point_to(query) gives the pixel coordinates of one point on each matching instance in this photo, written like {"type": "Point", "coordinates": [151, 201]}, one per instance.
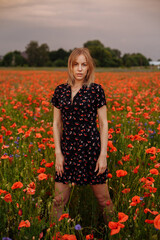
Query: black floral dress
{"type": "Point", "coordinates": [80, 141]}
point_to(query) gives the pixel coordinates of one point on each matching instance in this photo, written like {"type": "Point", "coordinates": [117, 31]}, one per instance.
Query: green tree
{"type": "Point", "coordinates": [13, 59]}
{"type": "Point", "coordinates": [7, 59]}
{"type": "Point", "coordinates": [93, 43]}
{"type": "Point", "coordinates": [59, 57]}
{"type": "Point", "coordinates": [134, 59]}
{"type": "Point", "coordinates": [19, 60]}
{"type": "Point", "coordinates": [101, 56]}
{"type": "Point", "coordinates": [37, 55]}
{"type": "Point", "coordinates": [43, 55]}
{"type": "Point", "coordinates": [32, 53]}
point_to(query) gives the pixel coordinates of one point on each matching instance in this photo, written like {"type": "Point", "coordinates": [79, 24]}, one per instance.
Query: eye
{"type": "Point", "coordinates": [84, 64]}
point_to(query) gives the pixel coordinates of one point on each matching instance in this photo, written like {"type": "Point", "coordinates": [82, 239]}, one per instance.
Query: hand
{"type": "Point", "coordinates": [59, 164]}
{"type": "Point", "coordinates": [101, 164]}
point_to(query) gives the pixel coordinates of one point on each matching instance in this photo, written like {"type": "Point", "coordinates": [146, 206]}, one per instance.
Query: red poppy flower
{"type": "Point", "coordinates": [122, 217]}
{"type": "Point", "coordinates": [135, 201]}
{"type": "Point", "coordinates": [154, 171]}
{"type": "Point", "coordinates": [1, 139]}
{"type": "Point", "coordinates": [146, 210]}
{"type": "Point", "coordinates": [2, 191]}
{"type": "Point", "coordinates": [8, 198]}
{"type": "Point", "coordinates": [89, 236]}
{"type": "Point", "coordinates": [65, 215]}
{"type": "Point", "coordinates": [38, 135]}
{"type": "Point", "coordinates": [41, 170]}
{"type": "Point", "coordinates": [121, 173]}
{"type": "Point", "coordinates": [157, 222]}
{"type": "Point", "coordinates": [151, 150]}
{"type": "Point", "coordinates": [42, 176]}
{"type": "Point", "coordinates": [126, 190]}
{"type": "Point", "coordinates": [32, 185]}
{"type": "Point", "coordinates": [24, 224]}
{"type": "Point", "coordinates": [69, 237]}
{"type": "Point", "coordinates": [115, 227]}
{"type": "Point", "coordinates": [49, 164]}
{"type": "Point", "coordinates": [17, 185]}
{"type": "Point", "coordinates": [57, 237]}
{"type": "Point", "coordinates": [109, 175]}
{"type": "Point", "coordinates": [136, 169]}
{"type": "Point", "coordinates": [149, 221]}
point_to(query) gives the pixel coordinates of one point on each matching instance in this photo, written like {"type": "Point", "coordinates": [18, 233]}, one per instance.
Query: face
{"type": "Point", "coordinates": [80, 68]}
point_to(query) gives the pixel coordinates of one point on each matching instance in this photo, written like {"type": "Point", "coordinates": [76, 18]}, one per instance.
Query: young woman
{"type": "Point", "coordinates": [80, 148]}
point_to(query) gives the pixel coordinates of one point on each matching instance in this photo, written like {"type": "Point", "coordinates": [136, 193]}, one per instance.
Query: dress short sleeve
{"type": "Point", "coordinates": [56, 97]}
{"type": "Point", "coordinates": [101, 99]}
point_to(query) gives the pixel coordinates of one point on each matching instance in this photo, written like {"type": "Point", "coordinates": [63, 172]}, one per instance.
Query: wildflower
{"type": "Point", "coordinates": [49, 164]}
{"type": "Point", "coordinates": [41, 170]}
{"type": "Point", "coordinates": [90, 236]}
{"type": "Point", "coordinates": [122, 217]}
{"type": "Point", "coordinates": [41, 235]}
{"type": "Point", "coordinates": [24, 224]}
{"type": "Point", "coordinates": [151, 150]}
{"type": "Point", "coordinates": [38, 135]}
{"type": "Point", "coordinates": [30, 191]}
{"type": "Point", "coordinates": [121, 173]}
{"type": "Point", "coordinates": [43, 161]}
{"type": "Point", "coordinates": [157, 165]}
{"type": "Point", "coordinates": [42, 176]}
{"type": "Point", "coordinates": [17, 185]}
{"type": "Point", "coordinates": [109, 175]}
{"type": "Point", "coordinates": [2, 191]}
{"type": "Point", "coordinates": [136, 169]}
{"type": "Point", "coordinates": [1, 139]}
{"type": "Point", "coordinates": [58, 236]}
{"type": "Point", "coordinates": [65, 215]}
{"type": "Point", "coordinates": [78, 227]}
{"type": "Point", "coordinates": [126, 190]}
{"type": "Point", "coordinates": [146, 210]}
{"type": "Point", "coordinates": [149, 221]}
{"type": "Point", "coordinates": [8, 198]}
{"type": "Point", "coordinates": [69, 237]}
{"type": "Point", "coordinates": [154, 171]}
{"type": "Point", "coordinates": [130, 145]}
{"type": "Point", "coordinates": [32, 185]}
{"type": "Point", "coordinates": [157, 222]}
{"type": "Point", "coordinates": [115, 227]}
{"type": "Point", "coordinates": [135, 201]}
{"type": "Point", "coordinates": [20, 212]}
{"type": "Point", "coordinates": [126, 158]}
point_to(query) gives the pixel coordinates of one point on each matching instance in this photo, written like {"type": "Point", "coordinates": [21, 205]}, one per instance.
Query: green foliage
{"type": "Point", "coordinates": [13, 59]}
{"type": "Point", "coordinates": [37, 56]}
{"type": "Point", "coordinates": [135, 59]}
{"type": "Point", "coordinates": [40, 56]}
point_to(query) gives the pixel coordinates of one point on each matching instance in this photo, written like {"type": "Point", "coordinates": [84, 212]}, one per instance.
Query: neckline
{"type": "Point", "coordinates": [72, 100]}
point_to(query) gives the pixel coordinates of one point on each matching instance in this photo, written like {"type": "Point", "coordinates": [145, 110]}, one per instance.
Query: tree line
{"type": "Point", "coordinates": [36, 55]}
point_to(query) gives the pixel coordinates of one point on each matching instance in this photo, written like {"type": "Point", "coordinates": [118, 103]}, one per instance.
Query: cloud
{"type": "Point", "coordinates": [122, 24]}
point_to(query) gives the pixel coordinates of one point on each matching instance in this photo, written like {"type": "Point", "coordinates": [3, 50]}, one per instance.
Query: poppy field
{"type": "Point", "coordinates": [27, 160]}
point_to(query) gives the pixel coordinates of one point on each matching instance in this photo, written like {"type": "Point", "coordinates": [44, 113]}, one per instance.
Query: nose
{"type": "Point", "coordinates": [79, 67]}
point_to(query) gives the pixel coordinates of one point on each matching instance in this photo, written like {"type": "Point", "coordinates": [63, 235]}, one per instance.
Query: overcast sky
{"type": "Point", "coordinates": [128, 25]}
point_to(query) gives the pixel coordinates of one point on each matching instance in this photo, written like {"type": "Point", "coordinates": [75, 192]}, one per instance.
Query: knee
{"type": "Point", "coordinates": [60, 201]}
{"type": "Point", "coordinates": [102, 200]}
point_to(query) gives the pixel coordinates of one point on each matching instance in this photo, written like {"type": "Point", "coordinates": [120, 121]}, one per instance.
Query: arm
{"type": "Point", "coordinates": [103, 124]}
{"type": "Point", "coordinates": [57, 133]}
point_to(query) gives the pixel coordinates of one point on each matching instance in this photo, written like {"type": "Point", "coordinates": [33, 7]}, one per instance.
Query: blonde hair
{"type": "Point", "coordinates": [72, 58]}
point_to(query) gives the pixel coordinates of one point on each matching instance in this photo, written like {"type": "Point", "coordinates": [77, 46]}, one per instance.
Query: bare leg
{"type": "Point", "coordinates": [62, 193]}
{"type": "Point", "coordinates": [101, 192]}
